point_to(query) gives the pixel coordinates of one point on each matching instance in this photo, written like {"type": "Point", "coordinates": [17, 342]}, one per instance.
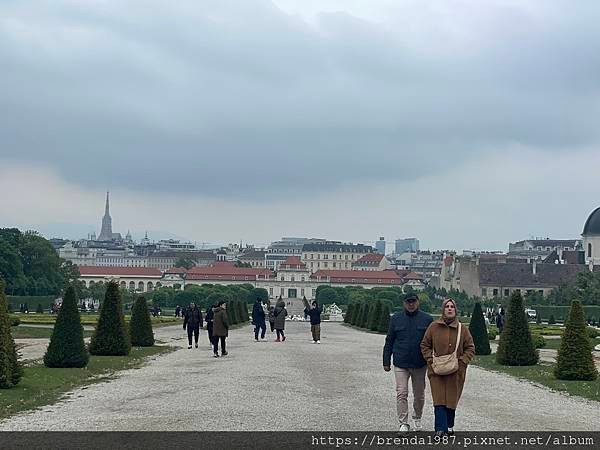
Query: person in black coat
{"type": "Point", "coordinates": [314, 312]}
{"type": "Point", "coordinates": [192, 320]}
{"type": "Point", "coordinates": [209, 323]}
{"type": "Point", "coordinates": [258, 320]}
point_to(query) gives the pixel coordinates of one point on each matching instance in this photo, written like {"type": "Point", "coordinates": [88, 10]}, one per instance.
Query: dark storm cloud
{"type": "Point", "coordinates": [239, 99]}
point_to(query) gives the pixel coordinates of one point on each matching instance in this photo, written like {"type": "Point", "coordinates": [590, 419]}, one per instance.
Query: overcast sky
{"type": "Point", "coordinates": [467, 124]}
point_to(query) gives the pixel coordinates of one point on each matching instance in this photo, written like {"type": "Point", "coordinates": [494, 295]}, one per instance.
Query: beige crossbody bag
{"type": "Point", "coordinates": [447, 364]}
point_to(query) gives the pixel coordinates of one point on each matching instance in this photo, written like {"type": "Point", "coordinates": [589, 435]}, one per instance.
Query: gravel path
{"type": "Point", "coordinates": [295, 385]}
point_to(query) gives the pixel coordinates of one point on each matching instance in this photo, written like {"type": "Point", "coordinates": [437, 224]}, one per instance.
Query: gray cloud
{"type": "Point", "coordinates": [243, 100]}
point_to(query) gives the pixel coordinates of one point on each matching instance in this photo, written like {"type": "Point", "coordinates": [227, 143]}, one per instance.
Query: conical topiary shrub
{"type": "Point", "coordinates": [479, 331]}
{"type": "Point", "coordinates": [348, 315]}
{"type": "Point", "coordinates": [111, 337]}
{"type": "Point", "coordinates": [66, 348]}
{"type": "Point", "coordinates": [384, 320]}
{"type": "Point", "coordinates": [574, 361]}
{"type": "Point", "coordinates": [516, 345]}
{"type": "Point", "coordinates": [356, 313]}
{"type": "Point", "coordinates": [364, 314]}
{"type": "Point", "coordinates": [375, 315]}
{"type": "Point", "coordinates": [140, 326]}
{"type": "Point", "coordinates": [10, 369]}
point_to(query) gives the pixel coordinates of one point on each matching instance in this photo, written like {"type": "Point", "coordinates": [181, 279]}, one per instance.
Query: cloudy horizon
{"type": "Point", "coordinates": [466, 125]}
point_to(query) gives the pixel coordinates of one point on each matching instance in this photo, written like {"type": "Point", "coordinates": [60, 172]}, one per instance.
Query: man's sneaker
{"type": "Point", "coordinates": [283, 339]}
{"type": "Point", "coordinates": [224, 353]}
{"type": "Point", "coordinates": [450, 431]}
{"type": "Point", "coordinates": [189, 346]}
{"type": "Point", "coordinates": [318, 342]}
{"type": "Point", "coordinates": [215, 355]}
{"type": "Point", "coordinates": [404, 428]}
{"type": "Point", "coordinates": [196, 345]}
{"type": "Point", "coordinates": [277, 340]}
{"type": "Point", "coordinates": [263, 339]}
{"type": "Point", "coordinates": [418, 425]}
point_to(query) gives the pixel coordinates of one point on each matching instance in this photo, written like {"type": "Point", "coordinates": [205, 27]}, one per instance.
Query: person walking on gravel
{"type": "Point", "coordinates": [403, 340]}
{"type": "Point", "coordinates": [192, 320]}
{"type": "Point", "coordinates": [220, 328]}
{"type": "Point", "coordinates": [280, 314]}
{"type": "Point", "coordinates": [447, 336]}
{"type": "Point", "coordinates": [258, 320]}
{"type": "Point", "coordinates": [209, 323]}
{"type": "Point", "coordinates": [314, 312]}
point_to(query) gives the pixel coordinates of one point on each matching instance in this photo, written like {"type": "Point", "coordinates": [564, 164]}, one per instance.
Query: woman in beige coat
{"type": "Point", "coordinates": [446, 390]}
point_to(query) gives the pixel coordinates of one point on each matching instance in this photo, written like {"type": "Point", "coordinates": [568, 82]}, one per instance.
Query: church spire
{"type": "Point", "coordinates": [106, 233]}
{"type": "Point", "coordinates": [106, 208]}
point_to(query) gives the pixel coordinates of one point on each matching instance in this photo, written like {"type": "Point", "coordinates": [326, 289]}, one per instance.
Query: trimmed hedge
{"type": "Point", "coordinates": [140, 326]}
{"type": "Point", "coordinates": [562, 312]}
{"type": "Point", "coordinates": [111, 337]}
{"type": "Point", "coordinates": [11, 370]}
{"type": "Point", "coordinates": [516, 346]}
{"type": "Point", "coordinates": [45, 300]}
{"type": "Point", "coordinates": [479, 331]}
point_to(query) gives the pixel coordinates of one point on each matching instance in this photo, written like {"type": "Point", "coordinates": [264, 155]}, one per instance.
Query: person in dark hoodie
{"type": "Point", "coordinates": [314, 312]}
{"type": "Point", "coordinates": [280, 314]}
{"type": "Point", "coordinates": [220, 328]}
{"type": "Point", "coordinates": [403, 340]}
{"type": "Point", "coordinates": [272, 318]}
{"type": "Point", "coordinates": [209, 323]}
{"type": "Point", "coordinates": [258, 319]}
{"type": "Point", "coordinates": [192, 320]}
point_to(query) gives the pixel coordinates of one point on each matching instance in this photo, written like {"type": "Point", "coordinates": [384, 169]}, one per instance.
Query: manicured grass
{"type": "Point", "coordinates": [37, 333]}
{"type": "Point", "coordinates": [554, 344]}
{"type": "Point", "coordinates": [42, 386]}
{"type": "Point", "coordinates": [86, 319]}
{"type": "Point", "coordinates": [543, 374]}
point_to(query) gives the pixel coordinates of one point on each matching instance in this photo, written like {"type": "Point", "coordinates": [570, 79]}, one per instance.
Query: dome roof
{"type": "Point", "coordinates": [592, 225]}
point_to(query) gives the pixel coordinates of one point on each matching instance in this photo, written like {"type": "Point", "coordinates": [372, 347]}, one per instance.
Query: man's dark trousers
{"type": "Point", "coordinates": [260, 326]}
{"type": "Point", "coordinates": [195, 331]}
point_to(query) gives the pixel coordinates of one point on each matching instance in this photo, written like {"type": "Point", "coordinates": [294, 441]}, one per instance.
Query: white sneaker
{"type": "Point", "coordinates": [418, 425]}
{"type": "Point", "coordinates": [404, 428]}
{"type": "Point", "coordinates": [318, 342]}
{"type": "Point", "coordinates": [263, 339]}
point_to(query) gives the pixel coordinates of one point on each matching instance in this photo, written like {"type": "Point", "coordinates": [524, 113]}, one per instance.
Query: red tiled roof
{"type": "Point", "coordinates": [292, 262]}
{"type": "Point", "coordinates": [224, 271]}
{"type": "Point", "coordinates": [358, 276]}
{"type": "Point", "coordinates": [370, 258]}
{"type": "Point", "coordinates": [412, 276]}
{"type": "Point", "coordinates": [119, 271]}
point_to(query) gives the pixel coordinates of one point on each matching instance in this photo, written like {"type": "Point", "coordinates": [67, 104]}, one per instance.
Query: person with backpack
{"type": "Point", "coordinates": [192, 320]}
{"type": "Point", "coordinates": [280, 314]}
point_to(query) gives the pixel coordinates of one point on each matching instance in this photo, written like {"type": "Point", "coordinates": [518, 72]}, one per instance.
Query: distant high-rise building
{"type": "Point", "coordinates": [408, 245]}
{"type": "Point", "coordinates": [106, 233]}
{"type": "Point", "coordinates": [380, 245]}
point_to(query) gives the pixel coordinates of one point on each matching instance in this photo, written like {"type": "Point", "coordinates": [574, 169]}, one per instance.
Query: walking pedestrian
{"type": "Point", "coordinates": [446, 336]}
{"type": "Point", "coordinates": [280, 314]}
{"type": "Point", "coordinates": [314, 312]}
{"type": "Point", "coordinates": [403, 340]}
{"type": "Point", "coordinates": [258, 320]}
{"type": "Point", "coordinates": [192, 320]}
{"type": "Point", "coordinates": [177, 311]}
{"type": "Point", "coordinates": [500, 321]}
{"type": "Point", "coordinates": [209, 323]}
{"type": "Point", "coordinates": [272, 318]}
{"type": "Point", "coordinates": [220, 328]}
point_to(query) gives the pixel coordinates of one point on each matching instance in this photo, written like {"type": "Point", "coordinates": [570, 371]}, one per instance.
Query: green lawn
{"type": "Point", "coordinates": [37, 333]}
{"type": "Point", "coordinates": [86, 319]}
{"type": "Point", "coordinates": [554, 344]}
{"type": "Point", "coordinates": [41, 386]}
{"type": "Point", "coordinates": [543, 374]}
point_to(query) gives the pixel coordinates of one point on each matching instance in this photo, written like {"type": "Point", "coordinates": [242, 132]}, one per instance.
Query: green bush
{"type": "Point", "coordinates": [14, 321]}
{"type": "Point", "coordinates": [375, 315]}
{"type": "Point", "coordinates": [551, 320]}
{"type": "Point", "coordinates": [538, 341]}
{"type": "Point", "coordinates": [492, 333]}
{"type": "Point", "coordinates": [140, 326]}
{"type": "Point", "coordinates": [516, 346]}
{"type": "Point", "coordinates": [10, 368]}
{"type": "Point", "coordinates": [66, 348]}
{"type": "Point", "coordinates": [574, 360]}
{"type": "Point", "coordinates": [349, 312]}
{"type": "Point", "coordinates": [561, 313]}
{"type": "Point", "coordinates": [479, 332]}
{"type": "Point", "coordinates": [592, 332]}
{"type": "Point", "coordinates": [384, 321]}
{"type": "Point", "coordinates": [40, 309]}
{"type": "Point", "coordinates": [111, 337]}
{"type": "Point", "coordinates": [538, 318]}
{"type": "Point", "coordinates": [364, 314]}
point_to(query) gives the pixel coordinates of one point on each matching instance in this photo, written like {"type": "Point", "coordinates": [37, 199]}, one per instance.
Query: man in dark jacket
{"type": "Point", "coordinates": [209, 323]}
{"type": "Point", "coordinates": [258, 319]}
{"type": "Point", "coordinates": [192, 320]}
{"type": "Point", "coordinates": [220, 328]}
{"type": "Point", "coordinates": [314, 312]}
{"type": "Point", "coordinates": [403, 340]}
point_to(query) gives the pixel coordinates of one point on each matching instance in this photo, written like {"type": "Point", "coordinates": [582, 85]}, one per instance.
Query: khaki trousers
{"type": "Point", "coordinates": [417, 377]}
{"type": "Point", "coordinates": [316, 332]}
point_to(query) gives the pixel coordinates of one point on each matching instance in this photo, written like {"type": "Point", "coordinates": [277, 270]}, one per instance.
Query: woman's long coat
{"type": "Point", "coordinates": [441, 337]}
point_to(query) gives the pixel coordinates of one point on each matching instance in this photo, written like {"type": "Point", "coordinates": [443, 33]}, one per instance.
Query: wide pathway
{"type": "Point", "coordinates": [294, 385]}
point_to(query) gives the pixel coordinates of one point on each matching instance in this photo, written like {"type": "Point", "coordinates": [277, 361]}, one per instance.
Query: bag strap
{"type": "Point", "coordinates": [458, 337]}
